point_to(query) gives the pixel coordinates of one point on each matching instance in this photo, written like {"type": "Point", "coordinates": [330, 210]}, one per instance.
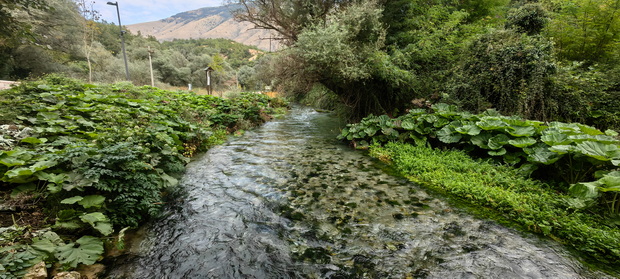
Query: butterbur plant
{"type": "Point", "coordinates": [100, 158]}
{"type": "Point", "coordinates": [605, 190]}
{"type": "Point", "coordinates": [574, 151]}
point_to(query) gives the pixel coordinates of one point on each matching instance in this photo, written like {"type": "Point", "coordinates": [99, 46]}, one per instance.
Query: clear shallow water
{"type": "Point", "coordinates": [288, 201]}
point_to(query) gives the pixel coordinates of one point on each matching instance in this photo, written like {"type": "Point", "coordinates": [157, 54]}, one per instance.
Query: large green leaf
{"type": "Point", "coordinates": [408, 124]}
{"type": "Point", "coordinates": [98, 221]}
{"type": "Point", "coordinates": [48, 115]}
{"type": "Point", "coordinates": [498, 141]}
{"type": "Point", "coordinates": [598, 138]}
{"type": "Point", "coordinates": [468, 129]}
{"type": "Point", "coordinates": [589, 130]}
{"type": "Point", "coordinates": [447, 135]}
{"type": "Point", "coordinates": [599, 151]}
{"type": "Point", "coordinates": [491, 123]}
{"type": "Point", "coordinates": [12, 161]}
{"type": "Point", "coordinates": [522, 142]}
{"type": "Point", "coordinates": [554, 137]}
{"type": "Point", "coordinates": [85, 250]}
{"type": "Point", "coordinates": [33, 140]}
{"type": "Point", "coordinates": [18, 175]}
{"type": "Point", "coordinates": [521, 131]}
{"type": "Point", "coordinates": [566, 128]}
{"type": "Point", "coordinates": [41, 165]}
{"type": "Point", "coordinates": [541, 154]}
{"type": "Point", "coordinates": [562, 149]}
{"type": "Point", "coordinates": [51, 177]}
{"type": "Point", "coordinates": [610, 182]}
{"type": "Point", "coordinates": [72, 200]}
{"type": "Point", "coordinates": [77, 180]}
{"type": "Point", "coordinates": [611, 133]}
{"type": "Point", "coordinates": [391, 132]}
{"type": "Point", "coordinates": [15, 157]}
{"type": "Point", "coordinates": [445, 109]}
{"type": "Point", "coordinates": [481, 140]}
{"type": "Point", "coordinates": [371, 131]}
{"type": "Point", "coordinates": [498, 152]}
{"type": "Point", "coordinates": [47, 242]}
{"type": "Point", "coordinates": [584, 191]}
{"type": "Point", "coordinates": [92, 201]}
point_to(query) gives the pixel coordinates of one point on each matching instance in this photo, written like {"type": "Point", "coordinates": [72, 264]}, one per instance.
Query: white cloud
{"type": "Point", "coordinates": [137, 11]}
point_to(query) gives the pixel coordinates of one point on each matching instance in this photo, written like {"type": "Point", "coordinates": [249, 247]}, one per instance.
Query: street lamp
{"type": "Point", "coordinates": [120, 26]}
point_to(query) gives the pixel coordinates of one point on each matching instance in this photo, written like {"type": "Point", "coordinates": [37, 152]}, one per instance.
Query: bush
{"type": "Point", "coordinates": [510, 72]}
{"type": "Point", "coordinates": [530, 19]}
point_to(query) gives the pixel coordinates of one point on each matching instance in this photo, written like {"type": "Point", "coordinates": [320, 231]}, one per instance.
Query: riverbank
{"type": "Point", "coordinates": [500, 190]}
{"type": "Point", "coordinates": [81, 163]}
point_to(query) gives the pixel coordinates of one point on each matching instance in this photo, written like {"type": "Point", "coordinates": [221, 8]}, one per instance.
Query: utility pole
{"type": "Point", "coordinates": [120, 26]}
{"type": "Point", "coordinates": [151, 65]}
{"type": "Point", "coordinates": [271, 37]}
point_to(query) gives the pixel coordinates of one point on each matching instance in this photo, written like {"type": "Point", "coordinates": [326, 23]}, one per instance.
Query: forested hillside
{"type": "Point", "coordinates": [64, 36]}
{"type": "Point", "coordinates": [205, 23]}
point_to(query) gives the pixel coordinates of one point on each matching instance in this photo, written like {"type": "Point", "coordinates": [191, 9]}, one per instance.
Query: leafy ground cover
{"type": "Point", "coordinates": [557, 179]}
{"type": "Point", "coordinates": [79, 162]}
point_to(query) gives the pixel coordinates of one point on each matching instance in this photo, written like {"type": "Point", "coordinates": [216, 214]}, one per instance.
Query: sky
{"type": "Point", "coordinates": [138, 11]}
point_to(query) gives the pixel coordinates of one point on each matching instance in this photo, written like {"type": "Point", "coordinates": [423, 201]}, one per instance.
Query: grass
{"type": "Point", "coordinates": [529, 204]}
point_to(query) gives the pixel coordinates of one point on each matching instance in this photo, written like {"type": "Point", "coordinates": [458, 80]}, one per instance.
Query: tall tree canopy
{"type": "Point", "coordinates": [11, 28]}
{"type": "Point", "coordinates": [286, 17]}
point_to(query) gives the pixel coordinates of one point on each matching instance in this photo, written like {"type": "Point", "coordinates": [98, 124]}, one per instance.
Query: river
{"type": "Point", "coordinates": [287, 200]}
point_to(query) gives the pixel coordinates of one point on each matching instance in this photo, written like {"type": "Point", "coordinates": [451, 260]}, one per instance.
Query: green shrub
{"type": "Point", "coordinates": [510, 72]}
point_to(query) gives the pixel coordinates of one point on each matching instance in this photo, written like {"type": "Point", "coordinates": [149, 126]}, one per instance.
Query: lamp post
{"type": "Point", "coordinates": [120, 26]}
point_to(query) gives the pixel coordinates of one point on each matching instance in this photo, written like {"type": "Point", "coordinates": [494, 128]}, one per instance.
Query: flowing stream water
{"type": "Point", "coordinates": [287, 200]}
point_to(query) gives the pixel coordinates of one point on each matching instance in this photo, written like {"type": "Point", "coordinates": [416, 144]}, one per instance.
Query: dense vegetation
{"type": "Point", "coordinates": [576, 166]}
{"type": "Point", "coordinates": [97, 159]}
{"type": "Point", "coordinates": [544, 60]}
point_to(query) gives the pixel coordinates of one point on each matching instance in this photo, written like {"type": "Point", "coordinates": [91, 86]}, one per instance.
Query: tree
{"type": "Point", "coordinates": [346, 55]}
{"type": "Point", "coordinates": [90, 30]}
{"type": "Point", "coordinates": [530, 18]}
{"type": "Point", "coordinates": [585, 30]}
{"type": "Point", "coordinates": [11, 28]}
{"type": "Point", "coordinates": [508, 71]}
{"type": "Point", "coordinates": [55, 45]}
{"type": "Point", "coordinates": [287, 17]}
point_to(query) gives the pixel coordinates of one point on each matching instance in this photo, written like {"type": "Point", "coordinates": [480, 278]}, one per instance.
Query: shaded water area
{"type": "Point", "coordinates": [288, 201]}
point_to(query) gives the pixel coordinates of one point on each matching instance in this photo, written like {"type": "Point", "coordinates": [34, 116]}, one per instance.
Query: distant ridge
{"type": "Point", "coordinates": [204, 23]}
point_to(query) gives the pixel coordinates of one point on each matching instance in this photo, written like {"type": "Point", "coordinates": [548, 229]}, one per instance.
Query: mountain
{"type": "Point", "coordinates": [211, 22]}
